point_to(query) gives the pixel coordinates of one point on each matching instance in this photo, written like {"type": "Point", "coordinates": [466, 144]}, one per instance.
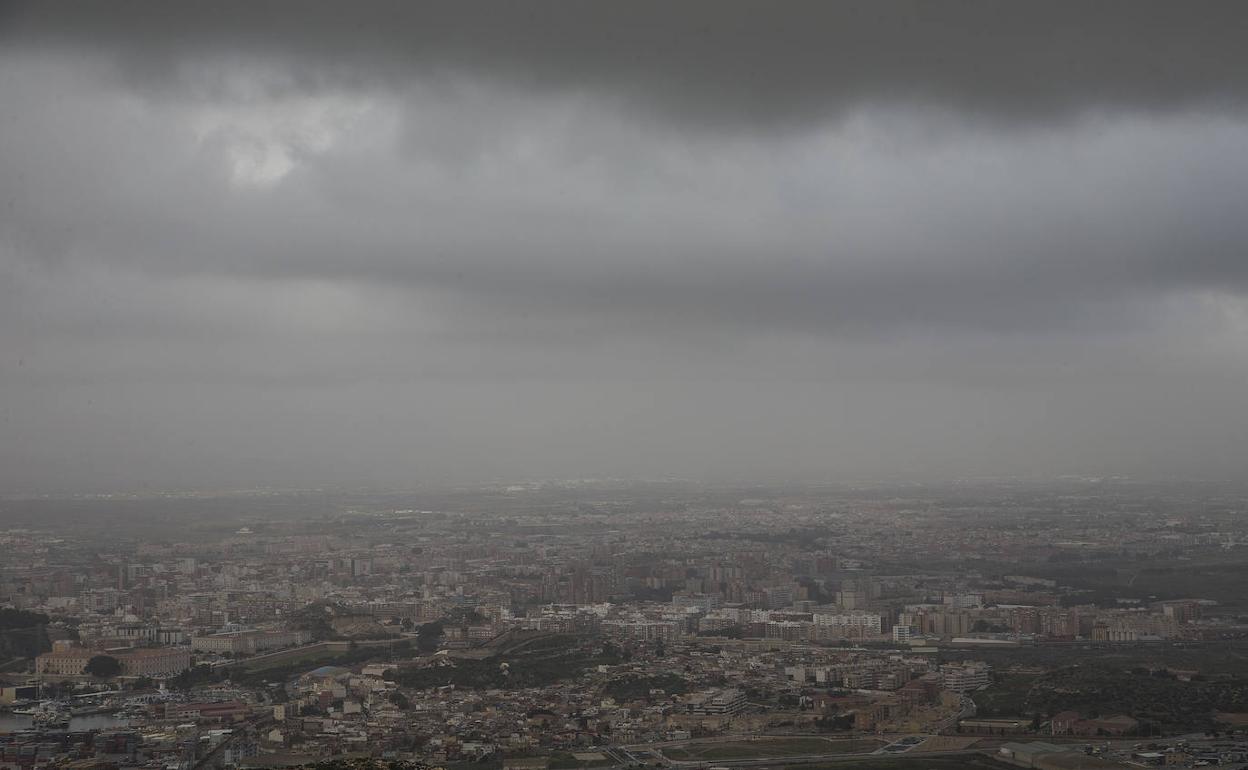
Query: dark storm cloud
{"type": "Point", "coordinates": [716, 62]}
{"type": "Point", "coordinates": [305, 243]}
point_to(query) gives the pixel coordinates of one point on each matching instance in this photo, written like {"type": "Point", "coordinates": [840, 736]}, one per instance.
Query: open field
{"type": "Point", "coordinates": [562, 760]}
{"type": "Point", "coordinates": [294, 659]}
{"type": "Point", "coordinates": [948, 743]}
{"type": "Point", "coordinates": [1007, 696]}
{"type": "Point", "coordinates": [769, 747]}
{"type": "Point", "coordinates": [350, 652]}
{"type": "Point", "coordinates": [961, 762]}
{"type": "Point", "coordinates": [1162, 702]}
{"type": "Point", "coordinates": [1226, 658]}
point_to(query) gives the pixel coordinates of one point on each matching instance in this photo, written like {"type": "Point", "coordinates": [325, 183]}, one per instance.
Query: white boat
{"type": "Point", "coordinates": [50, 716]}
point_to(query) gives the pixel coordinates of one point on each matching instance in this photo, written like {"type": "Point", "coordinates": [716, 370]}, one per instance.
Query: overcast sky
{"type": "Point", "coordinates": [281, 244]}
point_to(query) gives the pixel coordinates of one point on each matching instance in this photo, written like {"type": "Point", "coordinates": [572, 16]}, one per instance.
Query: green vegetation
{"type": "Point", "coordinates": [962, 762]}
{"type": "Point", "coordinates": [529, 663]}
{"type": "Point", "coordinates": [103, 667]}
{"type": "Point", "coordinates": [461, 616]}
{"type": "Point", "coordinates": [361, 763]}
{"type": "Point", "coordinates": [1159, 700]}
{"type": "Point", "coordinates": [563, 760]}
{"type": "Point", "coordinates": [315, 619]}
{"type": "Point", "coordinates": [1225, 659]}
{"type": "Point", "coordinates": [709, 751]}
{"type": "Point", "coordinates": [193, 677]}
{"type": "Point", "coordinates": [429, 637]}
{"type": "Point", "coordinates": [10, 618]}
{"type": "Point", "coordinates": [1007, 697]}
{"type": "Point", "coordinates": [399, 700]}
{"type": "Point", "coordinates": [1104, 576]}
{"type": "Point", "coordinates": [633, 687]}
{"type": "Point", "coordinates": [322, 656]}
{"type": "Point", "coordinates": [283, 669]}
{"type": "Point", "coordinates": [23, 634]}
{"type": "Point", "coordinates": [1218, 578]}
{"type": "Point", "coordinates": [256, 674]}
{"type": "Point", "coordinates": [491, 674]}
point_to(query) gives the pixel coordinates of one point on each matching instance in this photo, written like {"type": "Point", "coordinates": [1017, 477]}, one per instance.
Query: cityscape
{"type": "Point", "coordinates": [1077, 623]}
{"type": "Point", "coordinates": [623, 384]}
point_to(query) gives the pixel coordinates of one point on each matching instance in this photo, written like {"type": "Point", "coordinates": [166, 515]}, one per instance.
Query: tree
{"type": "Point", "coordinates": [103, 667]}
{"type": "Point", "coordinates": [983, 626]}
{"type": "Point", "coordinates": [400, 700]}
{"type": "Point", "coordinates": [429, 636]}
{"type": "Point", "coordinates": [464, 616]}
{"type": "Point", "coordinates": [10, 618]}
{"type": "Point", "coordinates": [201, 674]}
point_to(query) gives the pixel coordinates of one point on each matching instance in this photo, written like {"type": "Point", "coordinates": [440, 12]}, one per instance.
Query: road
{"type": "Point", "coordinates": [627, 755]}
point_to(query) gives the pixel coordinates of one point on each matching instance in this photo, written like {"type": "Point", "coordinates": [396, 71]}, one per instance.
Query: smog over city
{"type": "Point", "coordinates": [541, 385]}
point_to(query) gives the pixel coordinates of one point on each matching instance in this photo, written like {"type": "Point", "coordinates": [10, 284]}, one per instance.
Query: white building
{"type": "Point", "coordinates": [863, 621]}
{"type": "Point", "coordinates": [717, 701]}
{"type": "Point", "coordinates": [965, 677]}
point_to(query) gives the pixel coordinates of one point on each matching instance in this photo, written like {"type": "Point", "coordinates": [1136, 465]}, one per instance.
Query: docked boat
{"type": "Point", "coordinates": [51, 719]}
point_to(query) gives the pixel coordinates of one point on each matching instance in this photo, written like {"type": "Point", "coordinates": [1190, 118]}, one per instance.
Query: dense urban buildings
{"type": "Point", "coordinates": [663, 384]}
{"type": "Point", "coordinates": [596, 623]}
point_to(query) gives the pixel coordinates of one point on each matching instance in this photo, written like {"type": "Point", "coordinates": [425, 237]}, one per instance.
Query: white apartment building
{"type": "Point", "coordinates": [865, 621]}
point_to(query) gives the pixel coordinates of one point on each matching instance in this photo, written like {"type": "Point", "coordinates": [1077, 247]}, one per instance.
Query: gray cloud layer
{"type": "Point", "coordinates": [712, 60]}
{"type": "Point", "coordinates": [274, 243]}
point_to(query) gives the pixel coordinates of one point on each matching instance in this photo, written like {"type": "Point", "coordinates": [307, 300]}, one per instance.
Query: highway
{"type": "Point", "coordinates": [628, 755]}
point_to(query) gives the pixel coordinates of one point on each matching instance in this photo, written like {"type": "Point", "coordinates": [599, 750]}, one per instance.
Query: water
{"type": "Point", "coordinates": [12, 722]}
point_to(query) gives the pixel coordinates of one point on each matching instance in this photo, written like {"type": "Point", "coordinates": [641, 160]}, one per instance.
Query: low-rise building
{"type": "Point", "coordinates": [965, 677]}
{"type": "Point", "coordinates": [248, 642]}
{"type": "Point", "coordinates": [65, 662]}
{"type": "Point", "coordinates": [154, 661]}
{"type": "Point", "coordinates": [717, 701]}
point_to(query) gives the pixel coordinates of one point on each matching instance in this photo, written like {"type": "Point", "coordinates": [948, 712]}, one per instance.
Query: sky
{"type": "Point", "coordinates": [286, 244]}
